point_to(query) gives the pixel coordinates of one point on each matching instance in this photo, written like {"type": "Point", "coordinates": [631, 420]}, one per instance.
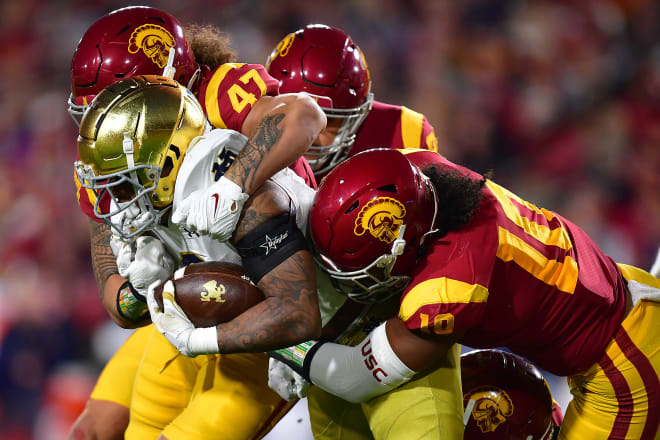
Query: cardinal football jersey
{"type": "Point", "coordinates": [518, 276]}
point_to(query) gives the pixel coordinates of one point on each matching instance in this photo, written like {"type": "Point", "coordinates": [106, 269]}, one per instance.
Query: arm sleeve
{"type": "Point", "coordinates": [230, 91]}
{"type": "Point", "coordinates": [359, 373]}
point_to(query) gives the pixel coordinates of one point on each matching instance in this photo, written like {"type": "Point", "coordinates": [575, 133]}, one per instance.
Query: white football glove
{"type": "Point", "coordinates": [286, 382]}
{"type": "Point", "coordinates": [213, 211]}
{"type": "Point", "coordinates": [173, 323]}
{"type": "Point", "coordinates": [148, 264]}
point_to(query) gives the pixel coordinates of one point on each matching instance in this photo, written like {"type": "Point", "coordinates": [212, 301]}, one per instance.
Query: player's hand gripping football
{"type": "Point", "coordinates": [213, 211]}
{"type": "Point", "coordinates": [286, 382]}
{"type": "Point", "coordinates": [173, 323]}
{"type": "Point", "coordinates": [149, 262]}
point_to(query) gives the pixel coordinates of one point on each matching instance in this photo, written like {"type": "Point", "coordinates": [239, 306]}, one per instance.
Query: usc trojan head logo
{"type": "Point", "coordinates": [154, 40]}
{"type": "Point", "coordinates": [282, 48]}
{"type": "Point", "coordinates": [492, 407]}
{"type": "Point", "coordinates": [382, 217]}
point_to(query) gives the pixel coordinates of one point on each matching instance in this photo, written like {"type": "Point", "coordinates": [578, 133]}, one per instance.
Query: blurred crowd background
{"type": "Point", "coordinates": [561, 99]}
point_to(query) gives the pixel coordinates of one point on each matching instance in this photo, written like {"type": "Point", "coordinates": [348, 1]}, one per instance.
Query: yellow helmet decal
{"type": "Point", "coordinates": [154, 40]}
{"type": "Point", "coordinates": [382, 217]}
{"type": "Point", "coordinates": [282, 48]}
{"type": "Point", "coordinates": [492, 407]}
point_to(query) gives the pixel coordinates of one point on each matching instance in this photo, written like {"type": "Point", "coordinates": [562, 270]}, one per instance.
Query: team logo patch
{"type": "Point", "coordinates": [155, 41]}
{"type": "Point", "coordinates": [492, 407]}
{"type": "Point", "coordinates": [213, 291]}
{"type": "Point", "coordinates": [382, 217]}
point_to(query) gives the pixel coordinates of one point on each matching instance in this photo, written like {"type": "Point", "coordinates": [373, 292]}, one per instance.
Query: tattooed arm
{"type": "Point", "coordinates": [280, 130]}
{"type": "Point", "coordinates": [106, 273]}
{"type": "Point", "coordinates": [290, 313]}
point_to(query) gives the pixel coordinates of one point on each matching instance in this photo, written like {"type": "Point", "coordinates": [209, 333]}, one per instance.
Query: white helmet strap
{"type": "Point", "coordinates": [399, 243]}
{"type": "Point", "coordinates": [129, 149]}
{"type": "Point", "coordinates": [169, 70]}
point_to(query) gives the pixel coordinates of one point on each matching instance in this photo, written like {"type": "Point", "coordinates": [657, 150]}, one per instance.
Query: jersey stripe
{"type": "Point", "coordinates": [211, 99]}
{"type": "Point", "coordinates": [648, 377]}
{"type": "Point", "coordinates": [563, 275]}
{"type": "Point", "coordinates": [440, 290]}
{"type": "Point", "coordinates": [411, 128]}
{"type": "Point", "coordinates": [551, 237]}
{"type": "Point", "coordinates": [624, 398]}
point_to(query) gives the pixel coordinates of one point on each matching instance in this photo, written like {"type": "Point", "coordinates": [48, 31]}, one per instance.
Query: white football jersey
{"type": "Point", "coordinates": [206, 160]}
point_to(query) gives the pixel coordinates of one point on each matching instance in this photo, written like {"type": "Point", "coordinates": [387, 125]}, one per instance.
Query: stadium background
{"type": "Point", "coordinates": [559, 98]}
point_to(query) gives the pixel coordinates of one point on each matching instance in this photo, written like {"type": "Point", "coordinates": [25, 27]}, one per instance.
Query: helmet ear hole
{"type": "Point", "coordinates": [352, 207]}
{"type": "Point", "coordinates": [391, 188]}
{"type": "Point", "coordinates": [168, 166]}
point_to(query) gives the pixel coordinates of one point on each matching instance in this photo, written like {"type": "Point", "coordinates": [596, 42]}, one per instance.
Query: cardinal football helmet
{"type": "Point", "coordinates": [130, 41]}
{"type": "Point", "coordinates": [505, 398]}
{"type": "Point", "coordinates": [131, 145]}
{"type": "Point", "coordinates": [368, 223]}
{"type": "Point", "coordinates": [325, 63]}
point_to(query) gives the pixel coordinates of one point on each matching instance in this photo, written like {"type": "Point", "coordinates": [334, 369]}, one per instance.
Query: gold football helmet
{"type": "Point", "coordinates": [131, 144]}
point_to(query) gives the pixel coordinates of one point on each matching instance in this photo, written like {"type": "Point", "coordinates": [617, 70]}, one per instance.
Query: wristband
{"type": "Point", "coordinates": [299, 357]}
{"type": "Point", "coordinates": [203, 341]}
{"type": "Point", "coordinates": [130, 304]}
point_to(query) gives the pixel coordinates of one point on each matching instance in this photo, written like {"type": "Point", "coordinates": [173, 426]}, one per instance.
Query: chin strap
{"type": "Point", "coordinates": [169, 71]}
{"type": "Point", "coordinates": [129, 149]}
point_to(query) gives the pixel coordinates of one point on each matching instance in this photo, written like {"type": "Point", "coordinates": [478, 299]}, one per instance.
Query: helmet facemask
{"type": "Point", "coordinates": [323, 158]}
{"type": "Point", "coordinates": [131, 209]}
{"type": "Point", "coordinates": [76, 111]}
{"type": "Point", "coordinates": [373, 283]}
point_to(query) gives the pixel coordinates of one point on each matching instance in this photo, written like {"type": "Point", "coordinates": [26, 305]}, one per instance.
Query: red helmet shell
{"type": "Point", "coordinates": [362, 203]}
{"type": "Point", "coordinates": [510, 399]}
{"type": "Point", "coordinates": [129, 41]}
{"type": "Point", "coordinates": [324, 62]}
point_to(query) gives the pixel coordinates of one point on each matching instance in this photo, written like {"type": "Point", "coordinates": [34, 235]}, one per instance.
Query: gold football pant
{"type": "Point", "coordinates": [208, 397]}
{"type": "Point", "coordinates": [427, 408]}
{"type": "Point", "coordinates": [619, 397]}
{"type": "Point", "coordinates": [115, 383]}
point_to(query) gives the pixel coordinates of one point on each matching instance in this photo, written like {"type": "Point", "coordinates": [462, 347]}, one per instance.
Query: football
{"type": "Point", "coordinates": [212, 292]}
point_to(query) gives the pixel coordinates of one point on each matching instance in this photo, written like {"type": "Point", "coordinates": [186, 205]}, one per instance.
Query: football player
{"type": "Point", "coordinates": [141, 40]}
{"type": "Point", "coordinates": [144, 144]}
{"type": "Point", "coordinates": [324, 62]}
{"type": "Point", "coordinates": [486, 268]}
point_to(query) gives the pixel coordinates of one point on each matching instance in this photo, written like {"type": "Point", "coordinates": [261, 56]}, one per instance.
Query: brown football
{"type": "Point", "coordinates": [212, 292]}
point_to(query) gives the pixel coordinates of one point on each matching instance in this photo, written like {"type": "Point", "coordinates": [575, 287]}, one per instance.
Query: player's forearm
{"type": "Point", "coordinates": [106, 273]}
{"type": "Point", "coordinates": [283, 135]}
{"type": "Point", "coordinates": [289, 315]}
